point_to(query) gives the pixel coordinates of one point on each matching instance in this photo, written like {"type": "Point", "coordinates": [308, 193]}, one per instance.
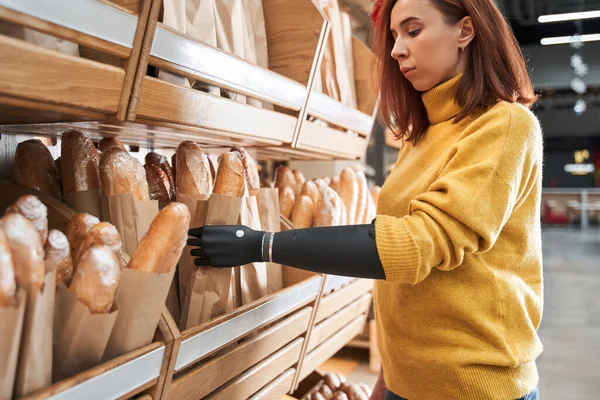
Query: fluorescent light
{"type": "Point", "coordinates": [570, 39]}
{"type": "Point", "coordinates": [569, 16]}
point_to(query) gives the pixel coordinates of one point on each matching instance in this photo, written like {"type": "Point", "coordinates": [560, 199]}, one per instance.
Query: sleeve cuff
{"type": "Point", "coordinates": [398, 251]}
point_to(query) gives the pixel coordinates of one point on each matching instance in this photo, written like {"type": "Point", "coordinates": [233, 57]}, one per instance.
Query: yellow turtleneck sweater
{"type": "Point", "coordinates": [458, 233]}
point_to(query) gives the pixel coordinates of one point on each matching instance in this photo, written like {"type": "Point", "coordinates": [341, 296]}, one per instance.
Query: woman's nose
{"type": "Point", "coordinates": [399, 51]}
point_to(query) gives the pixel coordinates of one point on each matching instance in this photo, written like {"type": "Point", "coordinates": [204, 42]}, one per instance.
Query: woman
{"type": "Point", "coordinates": [456, 246]}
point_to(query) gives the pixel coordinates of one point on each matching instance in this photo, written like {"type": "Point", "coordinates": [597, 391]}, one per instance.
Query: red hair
{"type": "Point", "coordinates": [495, 67]}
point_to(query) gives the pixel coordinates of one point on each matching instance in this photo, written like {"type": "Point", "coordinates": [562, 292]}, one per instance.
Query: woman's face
{"type": "Point", "coordinates": [426, 46]}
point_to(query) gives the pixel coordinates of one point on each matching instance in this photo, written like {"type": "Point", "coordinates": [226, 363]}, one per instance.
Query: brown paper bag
{"type": "Point", "coordinates": [348, 57]}
{"type": "Point", "coordinates": [268, 209]}
{"type": "Point", "coordinates": [210, 290]}
{"type": "Point", "coordinates": [80, 337]}
{"type": "Point", "coordinates": [253, 277]}
{"type": "Point", "coordinates": [130, 216]}
{"type": "Point", "coordinates": [141, 298]}
{"type": "Point", "coordinates": [85, 202]}
{"type": "Point", "coordinates": [34, 369]}
{"type": "Point", "coordinates": [10, 340]}
{"type": "Point", "coordinates": [255, 36]}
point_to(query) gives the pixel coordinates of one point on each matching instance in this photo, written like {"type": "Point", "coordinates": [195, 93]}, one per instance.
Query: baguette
{"type": "Point", "coordinates": [121, 173]}
{"type": "Point", "coordinates": [213, 172]}
{"type": "Point", "coordinates": [158, 183]}
{"type": "Point", "coordinates": [193, 170]}
{"type": "Point", "coordinates": [287, 201]}
{"type": "Point", "coordinates": [34, 167]}
{"type": "Point", "coordinates": [230, 176]}
{"type": "Point", "coordinates": [161, 161]}
{"type": "Point", "coordinates": [161, 247]}
{"type": "Point", "coordinates": [102, 234]}
{"type": "Point", "coordinates": [58, 255]}
{"type": "Point", "coordinates": [8, 286]}
{"type": "Point", "coordinates": [311, 189]}
{"type": "Point", "coordinates": [363, 193]}
{"type": "Point", "coordinates": [110, 142]}
{"type": "Point", "coordinates": [349, 193]}
{"type": "Point", "coordinates": [370, 211]}
{"type": "Point", "coordinates": [300, 179]}
{"type": "Point", "coordinates": [321, 183]}
{"type": "Point", "coordinates": [26, 248]}
{"type": "Point", "coordinates": [35, 211]}
{"type": "Point", "coordinates": [327, 180]}
{"type": "Point", "coordinates": [328, 212]}
{"type": "Point", "coordinates": [375, 190]}
{"type": "Point", "coordinates": [335, 183]}
{"type": "Point", "coordinates": [96, 279]}
{"type": "Point", "coordinates": [250, 171]}
{"type": "Point", "coordinates": [80, 161]}
{"type": "Point", "coordinates": [77, 228]}
{"type": "Point", "coordinates": [284, 177]}
{"type": "Point", "coordinates": [303, 215]}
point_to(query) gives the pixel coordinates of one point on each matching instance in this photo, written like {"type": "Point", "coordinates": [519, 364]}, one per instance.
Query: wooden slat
{"type": "Point", "coordinates": [171, 103]}
{"type": "Point", "coordinates": [30, 72]}
{"type": "Point", "coordinates": [172, 337]}
{"type": "Point", "coordinates": [200, 381]}
{"type": "Point", "coordinates": [36, 111]}
{"type": "Point", "coordinates": [332, 141]}
{"type": "Point", "coordinates": [334, 323]}
{"type": "Point", "coordinates": [328, 348]}
{"type": "Point", "coordinates": [277, 388]}
{"type": "Point", "coordinates": [339, 298]}
{"type": "Point", "coordinates": [261, 374]}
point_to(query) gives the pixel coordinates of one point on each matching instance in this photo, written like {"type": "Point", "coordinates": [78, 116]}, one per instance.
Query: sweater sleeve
{"type": "Point", "coordinates": [466, 207]}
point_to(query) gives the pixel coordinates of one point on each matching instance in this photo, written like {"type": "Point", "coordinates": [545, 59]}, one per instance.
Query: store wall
{"type": "Point", "coordinates": [563, 169]}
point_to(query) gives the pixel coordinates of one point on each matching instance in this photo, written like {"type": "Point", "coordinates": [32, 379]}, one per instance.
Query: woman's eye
{"type": "Point", "coordinates": [414, 33]}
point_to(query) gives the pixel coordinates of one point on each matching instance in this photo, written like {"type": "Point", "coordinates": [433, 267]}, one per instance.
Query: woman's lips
{"type": "Point", "coordinates": [407, 71]}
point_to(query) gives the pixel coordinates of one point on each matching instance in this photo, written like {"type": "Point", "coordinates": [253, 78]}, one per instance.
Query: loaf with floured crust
{"type": "Point", "coordinates": [328, 210]}
{"type": "Point", "coordinates": [110, 142]}
{"type": "Point", "coordinates": [303, 215]}
{"type": "Point", "coordinates": [80, 162]}
{"type": "Point", "coordinates": [363, 194]}
{"type": "Point", "coordinates": [193, 170]}
{"type": "Point", "coordinates": [122, 173]}
{"type": "Point", "coordinates": [34, 167]}
{"type": "Point", "coordinates": [160, 249]}
{"type": "Point", "coordinates": [284, 176]}
{"type": "Point", "coordinates": [96, 279]}
{"type": "Point", "coordinates": [8, 286]}
{"type": "Point", "coordinates": [375, 190]}
{"type": "Point", "coordinates": [35, 211]}
{"type": "Point", "coordinates": [231, 176]}
{"type": "Point", "coordinates": [77, 228]}
{"type": "Point", "coordinates": [26, 248]}
{"type": "Point", "coordinates": [58, 255]}
{"type": "Point", "coordinates": [349, 193]}
{"type": "Point", "coordinates": [300, 179]}
{"type": "Point", "coordinates": [158, 183]}
{"type": "Point", "coordinates": [287, 201]}
{"type": "Point", "coordinates": [335, 183]}
{"type": "Point", "coordinates": [250, 170]}
{"type": "Point", "coordinates": [102, 234]}
{"type": "Point", "coordinates": [311, 189]}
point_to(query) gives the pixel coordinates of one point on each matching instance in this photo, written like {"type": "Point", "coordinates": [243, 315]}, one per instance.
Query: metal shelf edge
{"type": "Point", "coordinates": [332, 111]}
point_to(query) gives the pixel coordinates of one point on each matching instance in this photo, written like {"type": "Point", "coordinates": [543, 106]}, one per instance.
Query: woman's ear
{"type": "Point", "coordinates": [467, 32]}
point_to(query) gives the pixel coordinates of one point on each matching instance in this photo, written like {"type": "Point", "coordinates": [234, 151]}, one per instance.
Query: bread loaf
{"type": "Point", "coordinates": [77, 228]}
{"type": "Point", "coordinates": [300, 179]}
{"type": "Point", "coordinates": [309, 188]}
{"type": "Point", "coordinates": [340, 396]}
{"type": "Point", "coordinates": [102, 234]}
{"type": "Point", "coordinates": [161, 161]}
{"type": "Point", "coordinates": [321, 184]}
{"type": "Point", "coordinates": [326, 391]}
{"type": "Point", "coordinates": [284, 177]}
{"type": "Point", "coordinates": [158, 183]}
{"type": "Point", "coordinates": [110, 142]}
{"type": "Point", "coordinates": [332, 381]}
{"type": "Point", "coordinates": [34, 167]}
{"type": "Point", "coordinates": [250, 170]}
{"type": "Point", "coordinates": [328, 212]}
{"type": "Point", "coordinates": [96, 279]}
{"type": "Point", "coordinates": [349, 193]}
{"type": "Point", "coordinates": [327, 180]}
{"type": "Point", "coordinates": [287, 201]}
{"type": "Point", "coordinates": [121, 173]}
{"type": "Point", "coordinates": [161, 247]}
{"type": "Point", "coordinates": [363, 194]}
{"type": "Point", "coordinates": [80, 161]}
{"type": "Point", "coordinates": [35, 211]}
{"type": "Point", "coordinates": [370, 211]}
{"type": "Point", "coordinates": [58, 255]}
{"type": "Point", "coordinates": [26, 248]}
{"type": "Point", "coordinates": [193, 170]}
{"type": "Point", "coordinates": [335, 183]}
{"type": "Point", "coordinates": [230, 176]}
{"type": "Point", "coordinates": [365, 388]}
{"type": "Point", "coordinates": [303, 215]}
{"type": "Point", "coordinates": [213, 172]}
{"type": "Point", "coordinates": [8, 286]}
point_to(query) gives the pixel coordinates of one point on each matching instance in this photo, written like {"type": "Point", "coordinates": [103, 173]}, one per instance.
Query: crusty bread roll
{"type": "Point", "coordinates": [58, 255]}
{"type": "Point", "coordinates": [250, 170]}
{"type": "Point", "coordinates": [77, 228]}
{"type": "Point", "coordinates": [161, 247]}
{"type": "Point", "coordinates": [375, 190]}
{"type": "Point", "coordinates": [8, 286]}
{"type": "Point", "coordinates": [193, 170]}
{"type": "Point", "coordinates": [328, 211]}
{"type": "Point", "coordinates": [363, 194]}
{"type": "Point", "coordinates": [158, 183]}
{"type": "Point", "coordinates": [96, 279]}
{"type": "Point", "coordinates": [80, 161]}
{"type": "Point", "coordinates": [349, 193]}
{"type": "Point", "coordinates": [34, 167]}
{"type": "Point", "coordinates": [303, 215]}
{"type": "Point", "coordinates": [284, 177]}
{"type": "Point", "coordinates": [26, 248]}
{"type": "Point", "coordinates": [335, 183]}
{"type": "Point", "coordinates": [309, 188]}
{"type": "Point", "coordinates": [102, 234]}
{"type": "Point", "coordinates": [231, 178]}
{"type": "Point", "coordinates": [160, 161]}
{"type": "Point", "coordinates": [110, 142]}
{"type": "Point", "coordinates": [122, 173]}
{"type": "Point", "coordinates": [300, 179]}
{"type": "Point", "coordinates": [287, 201]}
{"type": "Point", "coordinates": [35, 211]}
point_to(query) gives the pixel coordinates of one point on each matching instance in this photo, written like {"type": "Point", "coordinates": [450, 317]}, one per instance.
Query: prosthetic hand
{"type": "Point", "coordinates": [339, 250]}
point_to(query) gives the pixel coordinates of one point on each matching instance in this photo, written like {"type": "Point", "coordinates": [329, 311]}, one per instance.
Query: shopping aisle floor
{"type": "Point", "coordinates": [570, 365]}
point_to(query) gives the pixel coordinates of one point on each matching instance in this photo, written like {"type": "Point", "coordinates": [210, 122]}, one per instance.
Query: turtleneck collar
{"type": "Point", "coordinates": [440, 101]}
